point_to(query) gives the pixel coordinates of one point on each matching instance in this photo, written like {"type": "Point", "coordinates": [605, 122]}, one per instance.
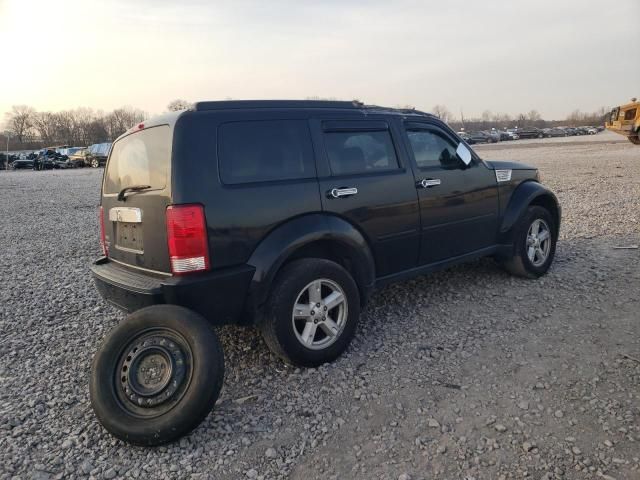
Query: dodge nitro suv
{"type": "Point", "coordinates": [285, 215]}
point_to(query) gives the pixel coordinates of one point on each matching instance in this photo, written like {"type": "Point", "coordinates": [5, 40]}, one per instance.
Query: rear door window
{"type": "Point", "coordinates": [361, 151]}
{"type": "Point", "coordinates": [141, 158]}
{"type": "Point", "coordinates": [267, 150]}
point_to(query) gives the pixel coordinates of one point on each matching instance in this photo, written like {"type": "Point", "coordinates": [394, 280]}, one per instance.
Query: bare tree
{"type": "Point", "coordinates": [121, 119]}
{"type": "Point", "coordinates": [178, 104]}
{"type": "Point", "coordinates": [442, 112]}
{"type": "Point", "coordinates": [20, 121]}
{"type": "Point", "coordinates": [45, 126]}
{"type": "Point", "coordinates": [533, 116]}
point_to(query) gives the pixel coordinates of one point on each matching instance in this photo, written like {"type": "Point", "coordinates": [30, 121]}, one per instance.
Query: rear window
{"type": "Point", "coordinates": [141, 158]}
{"type": "Point", "coordinates": [260, 151]}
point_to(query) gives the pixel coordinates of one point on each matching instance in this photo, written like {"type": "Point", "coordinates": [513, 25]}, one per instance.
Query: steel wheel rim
{"type": "Point", "coordinates": [153, 372]}
{"type": "Point", "coordinates": [319, 314]}
{"type": "Point", "coordinates": [538, 242]}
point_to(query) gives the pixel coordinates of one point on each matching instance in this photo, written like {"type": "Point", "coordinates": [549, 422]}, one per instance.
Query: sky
{"type": "Point", "coordinates": [504, 56]}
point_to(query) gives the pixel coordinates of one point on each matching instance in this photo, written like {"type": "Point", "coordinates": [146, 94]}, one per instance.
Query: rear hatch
{"type": "Point", "coordinates": [135, 195]}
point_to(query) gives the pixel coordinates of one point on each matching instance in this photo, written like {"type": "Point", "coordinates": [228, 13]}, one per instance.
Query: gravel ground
{"type": "Point", "coordinates": [468, 373]}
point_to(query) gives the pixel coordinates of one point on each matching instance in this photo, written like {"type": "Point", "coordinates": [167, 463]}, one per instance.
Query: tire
{"type": "Point", "coordinates": [520, 263]}
{"type": "Point", "coordinates": [284, 334]}
{"type": "Point", "coordinates": [95, 163]}
{"type": "Point", "coordinates": [540, 136]}
{"type": "Point", "coordinates": [178, 343]}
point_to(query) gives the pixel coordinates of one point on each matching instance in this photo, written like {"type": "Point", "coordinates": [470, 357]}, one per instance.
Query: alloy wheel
{"type": "Point", "coordinates": [319, 314]}
{"type": "Point", "coordinates": [538, 242]}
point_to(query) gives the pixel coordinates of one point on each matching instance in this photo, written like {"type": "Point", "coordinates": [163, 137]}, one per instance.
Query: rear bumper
{"type": "Point", "coordinates": [218, 296]}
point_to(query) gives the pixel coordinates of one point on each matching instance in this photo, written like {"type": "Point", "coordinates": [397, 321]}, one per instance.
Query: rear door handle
{"type": "Point", "coordinates": [342, 192]}
{"type": "Point", "coordinates": [428, 183]}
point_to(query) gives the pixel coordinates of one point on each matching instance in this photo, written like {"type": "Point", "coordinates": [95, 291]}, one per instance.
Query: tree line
{"type": "Point", "coordinates": [30, 129]}
{"type": "Point", "coordinates": [489, 120]}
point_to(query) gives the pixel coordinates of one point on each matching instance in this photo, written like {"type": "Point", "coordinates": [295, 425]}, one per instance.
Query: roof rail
{"type": "Point", "coordinates": [238, 104]}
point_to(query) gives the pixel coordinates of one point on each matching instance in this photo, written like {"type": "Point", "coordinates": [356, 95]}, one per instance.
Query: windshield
{"type": "Point", "coordinates": [141, 158]}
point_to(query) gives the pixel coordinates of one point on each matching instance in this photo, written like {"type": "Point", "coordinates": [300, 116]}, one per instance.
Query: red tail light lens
{"type": "Point", "coordinates": [187, 238]}
{"type": "Point", "coordinates": [103, 238]}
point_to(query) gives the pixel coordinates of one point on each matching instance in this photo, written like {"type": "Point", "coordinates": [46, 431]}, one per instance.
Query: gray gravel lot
{"type": "Point", "coordinates": [468, 373]}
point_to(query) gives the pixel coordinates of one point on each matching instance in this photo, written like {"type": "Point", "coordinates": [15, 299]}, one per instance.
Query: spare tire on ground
{"type": "Point", "coordinates": [157, 375]}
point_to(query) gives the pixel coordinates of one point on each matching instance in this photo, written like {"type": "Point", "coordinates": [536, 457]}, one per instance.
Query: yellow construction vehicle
{"type": "Point", "coordinates": [625, 120]}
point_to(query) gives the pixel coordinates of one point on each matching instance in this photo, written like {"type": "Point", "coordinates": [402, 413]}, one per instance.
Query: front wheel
{"type": "Point", "coordinates": [95, 163]}
{"type": "Point", "coordinates": [534, 244]}
{"type": "Point", "coordinates": [157, 375]}
{"type": "Point", "coordinates": [312, 313]}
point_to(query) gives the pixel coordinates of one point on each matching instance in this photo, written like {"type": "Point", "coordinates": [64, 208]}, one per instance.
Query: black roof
{"type": "Point", "coordinates": [325, 104]}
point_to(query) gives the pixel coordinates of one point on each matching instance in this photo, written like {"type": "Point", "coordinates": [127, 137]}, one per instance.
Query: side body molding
{"type": "Point", "coordinates": [282, 242]}
{"type": "Point", "coordinates": [525, 194]}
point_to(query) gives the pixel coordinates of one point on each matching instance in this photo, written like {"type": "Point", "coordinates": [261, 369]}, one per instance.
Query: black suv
{"type": "Point", "coordinates": [285, 215]}
{"type": "Point", "coordinates": [531, 132]}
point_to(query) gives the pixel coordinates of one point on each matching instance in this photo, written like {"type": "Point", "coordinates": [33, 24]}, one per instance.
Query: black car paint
{"type": "Point", "coordinates": [530, 133]}
{"type": "Point", "coordinates": [390, 230]}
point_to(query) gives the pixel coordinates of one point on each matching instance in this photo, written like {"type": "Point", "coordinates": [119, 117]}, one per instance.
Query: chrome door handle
{"type": "Point", "coordinates": [428, 183]}
{"type": "Point", "coordinates": [342, 192]}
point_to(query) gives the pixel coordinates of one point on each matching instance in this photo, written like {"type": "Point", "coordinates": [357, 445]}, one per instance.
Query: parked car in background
{"type": "Point", "coordinates": [554, 132]}
{"type": "Point", "coordinates": [530, 132]}
{"type": "Point", "coordinates": [61, 161]}
{"type": "Point", "coordinates": [466, 137]}
{"type": "Point", "coordinates": [480, 137]}
{"type": "Point", "coordinates": [592, 130]}
{"type": "Point", "coordinates": [503, 135]}
{"type": "Point", "coordinates": [20, 163]}
{"type": "Point", "coordinates": [79, 158]}
{"type": "Point", "coordinates": [98, 153]}
{"type": "Point", "coordinates": [513, 133]}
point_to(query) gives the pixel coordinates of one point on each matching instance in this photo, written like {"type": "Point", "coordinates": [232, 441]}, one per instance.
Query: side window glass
{"type": "Point", "coordinates": [259, 151]}
{"type": "Point", "coordinates": [360, 152]}
{"type": "Point", "coordinates": [432, 150]}
{"type": "Point", "coordinates": [630, 114]}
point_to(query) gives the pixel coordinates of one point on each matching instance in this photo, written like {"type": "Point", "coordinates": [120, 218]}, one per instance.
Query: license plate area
{"type": "Point", "coordinates": [129, 237]}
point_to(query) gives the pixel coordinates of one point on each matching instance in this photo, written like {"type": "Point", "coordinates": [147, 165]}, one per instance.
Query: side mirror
{"type": "Point", "coordinates": [463, 153]}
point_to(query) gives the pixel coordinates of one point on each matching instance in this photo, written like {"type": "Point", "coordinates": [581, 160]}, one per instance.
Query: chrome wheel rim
{"type": "Point", "coordinates": [538, 242]}
{"type": "Point", "coordinates": [319, 314]}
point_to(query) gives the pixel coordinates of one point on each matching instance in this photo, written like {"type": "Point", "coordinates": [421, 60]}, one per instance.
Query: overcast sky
{"type": "Point", "coordinates": [504, 56]}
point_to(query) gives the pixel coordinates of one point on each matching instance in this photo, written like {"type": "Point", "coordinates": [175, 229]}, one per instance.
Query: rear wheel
{"type": "Point", "coordinates": [534, 244]}
{"type": "Point", "coordinates": [95, 163]}
{"type": "Point", "coordinates": [312, 312]}
{"type": "Point", "coordinates": [157, 375]}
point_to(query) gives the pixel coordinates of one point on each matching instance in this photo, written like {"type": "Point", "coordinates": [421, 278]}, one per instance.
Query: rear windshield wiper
{"type": "Point", "coordinates": [132, 188]}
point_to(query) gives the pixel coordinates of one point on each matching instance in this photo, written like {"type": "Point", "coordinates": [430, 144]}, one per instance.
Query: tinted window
{"type": "Point", "coordinates": [431, 149]}
{"type": "Point", "coordinates": [630, 114]}
{"type": "Point", "coordinates": [141, 158]}
{"type": "Point", "coordinates": [265, 150]}
{"type": "Point", "coordinates": [360, 152]}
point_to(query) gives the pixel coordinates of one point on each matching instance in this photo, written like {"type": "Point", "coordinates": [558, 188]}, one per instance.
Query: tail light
{"type": "Point", "coordinates": [103, 239]}
{"type": "Point", "coordinates": [187, 238]}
